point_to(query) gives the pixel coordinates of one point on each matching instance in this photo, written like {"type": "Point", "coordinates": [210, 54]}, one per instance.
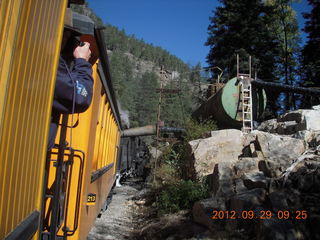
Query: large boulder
{"type": "Point", "coordinates": [279, 151]}
{"type": "Point", "coordinates": [284, 127]}
{"type": "Point", "coordinates": [294, 121]}
{"type": "Point", "coordinates": [248, 200]}
{"type": "Point", "coordinates": [288, 127]}
{"type": "Point", "coordinates": [312, 138]}
{"type": "Point", "coordinates": [306, 119]}
{"type": "Point", "coordinates": [202, 212]}
{"type": "Point", "coordinates": [221, 182]}
{"type": "Point", "coordinates": [269, 126]}
{"type": "Point", "coordinates": [255, 180]}
{"type": "Point", "coordinates": [278, 200]}
{"type": "Point", "coordinates": [224, 146]}
{"type": "Point", "coordinates": [277, 229]}
{"type": "Point", "coordinates": [245, 165]}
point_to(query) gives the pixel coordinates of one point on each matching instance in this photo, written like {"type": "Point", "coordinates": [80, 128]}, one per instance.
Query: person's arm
{"type": "Point", "coordinates": [81, 76]}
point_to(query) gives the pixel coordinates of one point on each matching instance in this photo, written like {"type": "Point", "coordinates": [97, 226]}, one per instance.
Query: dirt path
{"type": "Point", "coordinates": [117, 222]}
{"type": "Point", "coordinates": [131, 216]}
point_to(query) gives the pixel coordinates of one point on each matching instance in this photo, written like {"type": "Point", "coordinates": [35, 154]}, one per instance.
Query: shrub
{"type": "Point", "coordinates": [195, 130]}
{"type": "Point", "coordinates": [165, 174]}
{"type": "Point", "coordinates": [181, 195]}
{"type": "Point", "coordinates": [175, 193]}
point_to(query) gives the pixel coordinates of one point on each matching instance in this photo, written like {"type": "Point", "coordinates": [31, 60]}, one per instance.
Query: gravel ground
{"type": "Point", "coordinates": [117, 222]}
{"type": "Point", "coordinates": [132, 215]}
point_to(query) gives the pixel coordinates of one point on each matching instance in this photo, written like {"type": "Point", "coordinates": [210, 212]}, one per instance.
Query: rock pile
{"type": "Point", "coordinates": [265, 184]}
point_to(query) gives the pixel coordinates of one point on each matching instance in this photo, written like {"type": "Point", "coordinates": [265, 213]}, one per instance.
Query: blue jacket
{"type": "Point", "coordinates": [79, 81]}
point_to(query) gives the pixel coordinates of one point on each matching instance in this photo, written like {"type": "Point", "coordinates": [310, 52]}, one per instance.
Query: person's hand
{"type": "Point", "coordinates": [83, 52]}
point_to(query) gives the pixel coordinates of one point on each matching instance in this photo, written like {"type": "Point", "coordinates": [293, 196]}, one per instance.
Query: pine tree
{"type": "Point", "coordinates": [267, 31]}
{"type": "Point", "coordinates": [286, 29]}
{"type": "Point", "coordinates": [311, 51]}
{"type": "Point", "coordinates": [243, 27]}
{"type": "Point", "coordinates": [195, 76]}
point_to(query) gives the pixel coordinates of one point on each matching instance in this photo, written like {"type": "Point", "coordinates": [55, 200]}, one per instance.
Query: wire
{"type": "Point", "coordinates": [203, 69]}
{"type": "Point", "coordinates": [73, 103]}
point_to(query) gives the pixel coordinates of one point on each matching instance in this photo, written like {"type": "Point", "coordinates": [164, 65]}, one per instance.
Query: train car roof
{"type": "Point", "coordinates": [105, 75]}
{"type": "Point", "coordinates": [95, 36]}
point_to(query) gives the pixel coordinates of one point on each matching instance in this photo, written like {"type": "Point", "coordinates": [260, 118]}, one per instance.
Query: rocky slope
{"type": "Point", "coordinates": [264, 185]}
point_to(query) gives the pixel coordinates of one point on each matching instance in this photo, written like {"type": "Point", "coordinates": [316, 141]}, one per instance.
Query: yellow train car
{"type": "Point", "coordinates": [83, 165]}
{"type": "Point", "coordinates": [89, 169]}
{"type": "Point", "coordinates": [30, 36]}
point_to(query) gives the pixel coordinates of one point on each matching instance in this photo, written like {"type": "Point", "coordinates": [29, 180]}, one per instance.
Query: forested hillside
{"type": "Point", "coordinates": [269, 33]}
{"type": "Point", "coordinates": [137, 70]}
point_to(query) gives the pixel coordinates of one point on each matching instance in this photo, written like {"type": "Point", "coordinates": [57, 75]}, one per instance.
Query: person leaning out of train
{"type": "Point", "coordinates": [74, 82]}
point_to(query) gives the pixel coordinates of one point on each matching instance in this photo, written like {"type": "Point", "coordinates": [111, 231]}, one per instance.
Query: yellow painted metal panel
{"type": "Point", "coordinates": [108, 139]}
{"type": "Point", "coordinates": [27, 78]}
{"type": "Point", "coordinates": [105, 139]}
{"type": "Point", "coordinates": [10, 13]}
{"type": "Point", "coordinates": [95, 136]}
{"type": "Point", "coordinates": [24, 132]}
{"type": "Point", "coordinates": [6, 166]}
{"type": "Point", "coordinates": [106, 136]}
{"type": "Point", "coordinates": [39, 85]}
{"type": "Point", "coordinates": [83, 138]}
{"type": "Point", "coordinates": [111, 142]}
{"type": "Point", "coordinates": [30, 41]}
{"type": "Point", "coordinates": [114, 141]}
{"type": "Point", "coordinates": [88, 216]}
{"type": "Point", "coordinates": [98, 104]}
{"type": "Point", "coordinates": [101, 156]}
{"type": "Point", "coordinates": [92, 125]}
{"type": "Point", "coordinates": [98, 108]}
{"type": "Point", "coordinates": [103, 133]}
{"type": "Point", "coordinates": [115, 144]}
{"type": "Point", "coordinates": [113, 157]}
{"type": "Point", "coordinates": [95, 161]}
{"type": "Point", "coordinates": [101, 129]}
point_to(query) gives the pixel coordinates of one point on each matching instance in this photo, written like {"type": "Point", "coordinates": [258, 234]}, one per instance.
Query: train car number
{"type": "Point", "coordinates": [91, 200]}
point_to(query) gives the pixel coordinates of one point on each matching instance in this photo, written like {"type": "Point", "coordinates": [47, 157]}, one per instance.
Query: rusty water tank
{"type": "Point", "coordinates": [225, 105]}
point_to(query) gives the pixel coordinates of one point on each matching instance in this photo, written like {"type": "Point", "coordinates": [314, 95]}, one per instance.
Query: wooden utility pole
{"type": "Point", "coordinates": [159, 123]}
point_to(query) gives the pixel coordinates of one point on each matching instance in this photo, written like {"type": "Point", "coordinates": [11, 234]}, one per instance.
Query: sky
{"type": "Point", "coordinates": [179, 26]}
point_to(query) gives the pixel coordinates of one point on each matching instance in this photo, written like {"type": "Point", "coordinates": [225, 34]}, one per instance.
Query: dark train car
{"type": "Point", "coordinates": [133, 157]}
